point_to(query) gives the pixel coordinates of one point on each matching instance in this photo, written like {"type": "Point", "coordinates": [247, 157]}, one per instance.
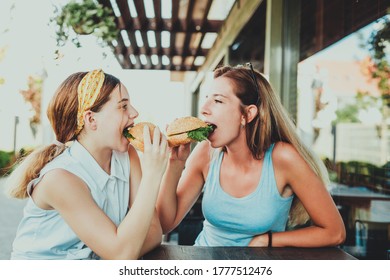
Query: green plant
{"type": "Point", "coordinates": [379, 67]}
{"type": "Point", "coordinates": [85, 17]}
{"type": "Point", "coordinates": [350, 112]}
{"type": "Point", "coordinates": [6, 160]}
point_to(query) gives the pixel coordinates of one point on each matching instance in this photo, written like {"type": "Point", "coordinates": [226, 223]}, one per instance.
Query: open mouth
{"type": "Point", "coordinates": [125, 131]}
{"type": "Point", "coordinates": [213, 126]}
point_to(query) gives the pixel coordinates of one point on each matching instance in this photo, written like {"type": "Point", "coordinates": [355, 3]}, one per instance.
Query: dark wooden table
{"type": "Point", "coordinates": [177, 252]}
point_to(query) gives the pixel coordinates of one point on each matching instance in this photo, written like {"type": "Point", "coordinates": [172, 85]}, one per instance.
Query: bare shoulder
{"type": "Point", "coordinates": [56, 186]}
{"type": "Point", "coordinates": [201, 153]}
{"type": "Point", "coordinates": [61, 177]}
{"type": "Point", "coordinates": [284, 155]}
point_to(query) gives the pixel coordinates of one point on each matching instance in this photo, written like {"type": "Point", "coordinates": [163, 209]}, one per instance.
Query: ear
{"type": "Point", "coordinates": [251, 112]}
{"type": "Point", "coordinates": [89, 120]}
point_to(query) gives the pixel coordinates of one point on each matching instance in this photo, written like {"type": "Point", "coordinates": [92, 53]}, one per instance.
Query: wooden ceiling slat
{"type": "Point", "coordinates": [200, 9]}
{"type": "Point", "coordinates": [127, 63]}
{"type": "Point", "coordinates": [172, 49]}
{"type": "Point", "coordinates": [187, 25]}
{"type": "Point", "coordinates": [125, 13]}
{"type": "Point", "coordinates": [202, 25]}
{"type": "Point", "coordinates": [179, 41]}
{"type": "Point", "coordinates": [138, 64]}
{"type": "Point", "coordinates": [157, 13]}
{"type": "Point", "coordinates": [175, 23]}
{"type": "Point", "coordinates": [128, 53]}
{"type": "Point", "coordinates": [143, 20]}
{"type": "Point", "coordinates": [146, 47]}
{"type": "Point", "coordinates": [120, 49]}
{"type": "Point", "coordinates": [206, 12]}
{"type": "Point", "coordinates": [149, 62]}
{"type": "Point", "coordinates": [125, 51]}
{"type": "Point", "coordinates": [142, 49]}
{"type": "Point", "coordinates": [158, 43]}
{"type": "Point", "coordinates": [175, 15]}
{"type": "Point", "coordinates": [133, 41]}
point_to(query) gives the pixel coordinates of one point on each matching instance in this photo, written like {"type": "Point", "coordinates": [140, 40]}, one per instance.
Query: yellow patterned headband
{"type": "Point", "coordinates": [88, 91]}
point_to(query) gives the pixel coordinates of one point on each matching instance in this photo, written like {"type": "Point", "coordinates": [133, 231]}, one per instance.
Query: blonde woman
{"type": "Point", "coordinates": [255, 173]}
{"type": "Point", "coordinates": [93, 199]}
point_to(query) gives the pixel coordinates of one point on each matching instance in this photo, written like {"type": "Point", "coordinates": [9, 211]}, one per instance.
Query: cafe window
{"type": "Point", "coordinates": [344, 116]}
{"type": "Point", "coordinates": [343, 109]}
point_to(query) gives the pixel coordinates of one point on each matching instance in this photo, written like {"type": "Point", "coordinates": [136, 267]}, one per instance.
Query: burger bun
{"type": "Point", "coordinates": [137, 131]}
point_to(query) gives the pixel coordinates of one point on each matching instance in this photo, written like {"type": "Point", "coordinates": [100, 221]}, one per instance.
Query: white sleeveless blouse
{"type": "Point", "coordinates": [43, 234]}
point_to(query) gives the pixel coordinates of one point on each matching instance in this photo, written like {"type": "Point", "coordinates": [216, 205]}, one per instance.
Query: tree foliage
{"type": "Point", "coordinates": [378, 44]}
{"type": "Point", "coordinates": [33, 95]}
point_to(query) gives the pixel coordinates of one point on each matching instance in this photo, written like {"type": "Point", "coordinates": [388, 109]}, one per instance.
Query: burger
{"type": "Point", "coordinates": [187, 129]}
{"type": "Point", "coordinates": [135, 134]}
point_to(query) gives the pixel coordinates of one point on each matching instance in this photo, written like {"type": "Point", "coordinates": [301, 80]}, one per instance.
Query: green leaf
{"type": "Point", "coordinates": [127, 134]}
{"type": "Point", "coordinates": [200, 134]}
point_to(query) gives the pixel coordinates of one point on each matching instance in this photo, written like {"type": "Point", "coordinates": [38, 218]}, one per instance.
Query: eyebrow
{"type": "Point", "coordinates": [123, 100]}
{"type": "Point", "coordinates": [219, 95]}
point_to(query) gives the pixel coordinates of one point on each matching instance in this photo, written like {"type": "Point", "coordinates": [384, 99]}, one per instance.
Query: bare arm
{"type": "Point", "coordinates": [181, 188]}
{"type": "Point", "coordinates": [328, 228]}
{"type": "Point", "coordinates": [154, 235]}
{"type": "Point", "coordinates": [69, 195]}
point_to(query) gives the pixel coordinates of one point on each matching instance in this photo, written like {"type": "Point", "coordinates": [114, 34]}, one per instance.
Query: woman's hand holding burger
{"type": "Point", "coordinates": [147, 138]}
{"type": "Point", "coordinates": [155, 157]}
{"type": "Point", "coordinates": [183, 131]}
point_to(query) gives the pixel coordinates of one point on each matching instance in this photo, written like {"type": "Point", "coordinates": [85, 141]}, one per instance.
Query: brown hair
{"type": "Point", "coordinates": [62, 114]}
{"type": "Point", "coordinates": [272, 124]}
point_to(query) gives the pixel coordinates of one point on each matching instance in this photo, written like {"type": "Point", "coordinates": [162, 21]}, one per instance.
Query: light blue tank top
{"type": "Point", "coordinates": [231, 221]}
{"type": "Point", "coordinates": [44, 234]}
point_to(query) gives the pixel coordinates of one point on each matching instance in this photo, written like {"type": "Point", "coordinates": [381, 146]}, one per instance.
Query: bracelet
{"type": "Point", "coordinates": [269, 239]}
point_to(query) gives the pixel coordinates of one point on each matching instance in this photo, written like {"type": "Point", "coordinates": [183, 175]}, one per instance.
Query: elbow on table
{"type": "Point", "coordinates": [168, 227]}
{"type": "Point", "coordinates": [167, 230]}
{"type": "Point", "coordinates": [338, 237]}
{"type": "Point", "coordinates": [156, 233]}
{"type": "Point", "coordinates": [122, 253]}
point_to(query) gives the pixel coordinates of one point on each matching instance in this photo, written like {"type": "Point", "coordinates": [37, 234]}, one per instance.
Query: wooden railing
{"type": "Point", "coordinates": [355, 173]}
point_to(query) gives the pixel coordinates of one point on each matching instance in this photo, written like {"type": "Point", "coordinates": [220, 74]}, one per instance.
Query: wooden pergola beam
{"type": "Point", "coordinates": [239, 15]}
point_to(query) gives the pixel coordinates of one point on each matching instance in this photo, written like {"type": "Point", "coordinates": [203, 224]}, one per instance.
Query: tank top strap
{"type": "Point", "coordinates": [267, 174]}
{"type": "Point", "coordinates": [216, 156]}
{"type": "Point", "coordinates": [268, 154]}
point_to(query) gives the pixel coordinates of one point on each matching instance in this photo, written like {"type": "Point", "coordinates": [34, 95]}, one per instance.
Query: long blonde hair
{"type": "Point", "coordinates": [62, 114]}
{"type": "Point", "coordinates": [272, 124]}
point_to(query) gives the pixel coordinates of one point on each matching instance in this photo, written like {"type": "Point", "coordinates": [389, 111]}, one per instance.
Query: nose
{"type": "Point", "coordinates": [205, 110]}
{"type": "Point", "coordinates": [133, 113]}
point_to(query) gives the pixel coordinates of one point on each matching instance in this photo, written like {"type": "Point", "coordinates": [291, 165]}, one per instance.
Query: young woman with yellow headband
{"type": "Point", "coordinates": [93, 198]}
